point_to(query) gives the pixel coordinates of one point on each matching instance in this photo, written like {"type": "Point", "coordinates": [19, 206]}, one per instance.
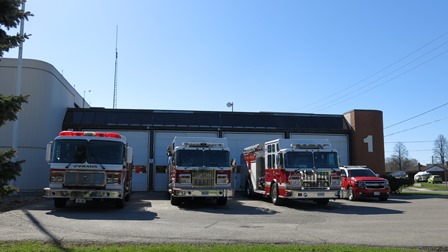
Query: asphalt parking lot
{"type": "Point", "coordinates": [402, 221]}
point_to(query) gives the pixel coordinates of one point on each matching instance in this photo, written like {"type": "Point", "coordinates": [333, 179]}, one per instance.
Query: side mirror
{"type": "Point", "coordinates": [48, 153]}
{"type": "Point", "coordinates": [129, 155]}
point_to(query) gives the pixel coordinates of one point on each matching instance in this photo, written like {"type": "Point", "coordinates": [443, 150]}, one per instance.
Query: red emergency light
{"type": "Point", "coordinates": [90, 133]}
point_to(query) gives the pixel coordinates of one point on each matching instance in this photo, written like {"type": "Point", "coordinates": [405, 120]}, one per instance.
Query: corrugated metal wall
{"type": "Point", "coordinates": [40, 119]}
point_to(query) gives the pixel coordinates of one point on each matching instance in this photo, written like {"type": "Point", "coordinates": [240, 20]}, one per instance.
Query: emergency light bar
{"type": "Point", "coordinates": [309, 146]}
{"type": "Point", "coordinates": [90, 133]}
{"type": "Point", "coordinates": [198, 144]}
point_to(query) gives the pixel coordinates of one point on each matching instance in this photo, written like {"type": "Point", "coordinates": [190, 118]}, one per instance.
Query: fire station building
{"type": "Point", "coordinates": [55, 105]}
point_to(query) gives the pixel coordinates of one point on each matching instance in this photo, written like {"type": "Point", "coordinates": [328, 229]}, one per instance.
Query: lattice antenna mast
{"type": "Point", "coordinates": [116, 69]}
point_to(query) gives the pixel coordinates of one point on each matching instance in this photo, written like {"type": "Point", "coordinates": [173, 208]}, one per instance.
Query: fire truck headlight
{"type": "Point", "coordinates": [113, 178]}
{"type": "Point", "coordinates": [185, 178]}
{"type": "Point", "coordinates": [56, 177]}
{"type": "Point", "coordinates": [222, 179]}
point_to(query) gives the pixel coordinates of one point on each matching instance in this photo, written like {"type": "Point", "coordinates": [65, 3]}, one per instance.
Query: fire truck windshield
{"type": "Point", "coordinates": [210, 158]}
{"type": "Point", "coordinates": [311, 160]}
{"type": "Point", "coordinates": [81, 151]}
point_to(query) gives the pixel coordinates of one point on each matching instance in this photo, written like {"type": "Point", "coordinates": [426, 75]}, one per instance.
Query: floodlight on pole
{"type": "Point", "coordinates": [230, 104]}
{"type": "Point", "coordinates": [84, 98]}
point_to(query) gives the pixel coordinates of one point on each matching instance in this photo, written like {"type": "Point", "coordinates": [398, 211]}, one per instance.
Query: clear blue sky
{"type": "Point", "coordinates": [325, 57]}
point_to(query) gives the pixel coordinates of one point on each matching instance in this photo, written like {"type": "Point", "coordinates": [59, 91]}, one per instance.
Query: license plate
{"type": "Point", "coordinates": [204, 193]}
{"type": "Point", "coordinates": [80, 201]}
{"type": "Point", "coordinates": [320, 194]}
{"type": "Point", "coordinates": [376, 193]}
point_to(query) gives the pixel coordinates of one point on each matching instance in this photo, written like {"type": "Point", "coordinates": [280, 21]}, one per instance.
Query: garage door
{"type": "Point", "coordinates": [237, 143]}
{"type": "Point", "coordinates": [162, 140]}
{"type": "Point", "coordinates": [339, 142]}
{"type": "Point", "coordinates": [139, 141]}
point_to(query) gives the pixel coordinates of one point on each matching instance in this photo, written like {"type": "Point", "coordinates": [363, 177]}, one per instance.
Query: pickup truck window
{"type": "Point", "coordinates": [361, 173]}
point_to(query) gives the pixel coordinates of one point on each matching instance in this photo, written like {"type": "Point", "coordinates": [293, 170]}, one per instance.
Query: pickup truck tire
{"type": "Point", "coordinates": [276, 200]}
{"type": "Point", "coordinates": [351, 194]}
{"type": "Point", "coordinates": [383, 197]}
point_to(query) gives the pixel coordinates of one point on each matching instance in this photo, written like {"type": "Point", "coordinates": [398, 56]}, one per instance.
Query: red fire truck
{"type": "Point", "coordinates": [87, 166]}
{"type": "Point", "coordinates": [199, 167]}
{"type": "Point", "coordinates": [293, 169]}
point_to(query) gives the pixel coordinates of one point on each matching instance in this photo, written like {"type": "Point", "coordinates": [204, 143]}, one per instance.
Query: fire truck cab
{"type": "Point", "coordinates": [87, 166]}
{"type": "Point", "coordinates": [199, 167]}
{"type": "Point", "coordinates": [293, 169]}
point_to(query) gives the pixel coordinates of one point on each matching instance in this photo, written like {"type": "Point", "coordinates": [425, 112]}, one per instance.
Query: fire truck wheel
{"type": "Point", "coordinates": [119, 203]}
{"type": "Point", "coordinates": [351, 194]}
{"type": "Point", "coordinates": [222, 201]}
{"type": "Point", "coordinates": [60, 203]}
{"type": "Point", "coordinates": [175, 201]}
{"type": "Point", "coordinates": [276, 200]}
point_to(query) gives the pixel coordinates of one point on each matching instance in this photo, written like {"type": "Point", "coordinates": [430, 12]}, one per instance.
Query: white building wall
{"type": "Point", "coordinates": [40, 119]}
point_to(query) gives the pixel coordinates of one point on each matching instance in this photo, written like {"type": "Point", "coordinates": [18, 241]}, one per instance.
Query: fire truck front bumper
{"type": "Point", "coordinates": [312, 194]}
{"type": "Point", "coordinates": [82, 194]}
{"type": "Point", "coordinates": [180, 192]}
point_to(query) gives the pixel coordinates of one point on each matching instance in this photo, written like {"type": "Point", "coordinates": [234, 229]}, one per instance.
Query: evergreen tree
{"type": "Point", "coordinates": [10, 17]}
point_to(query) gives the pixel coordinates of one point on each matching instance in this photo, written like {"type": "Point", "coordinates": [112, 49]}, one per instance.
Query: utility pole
{"type": "Point", "coordinates": [15, 129]}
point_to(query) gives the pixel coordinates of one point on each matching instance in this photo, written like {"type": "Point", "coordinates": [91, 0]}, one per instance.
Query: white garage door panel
{"type": "Point", "coordinates": [139, 141]}
{"type": "Point", "coordinates": [338, 142]}
{"type": "Point", "coordinates": [161, 142]}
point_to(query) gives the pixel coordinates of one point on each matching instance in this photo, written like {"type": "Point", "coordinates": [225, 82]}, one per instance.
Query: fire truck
{"type": "Point", "coordinates": [87, 166]}
{"type": "Point", "coordinates": [199, 167]}
{"type": "Point", "coordinates": [293, 169]}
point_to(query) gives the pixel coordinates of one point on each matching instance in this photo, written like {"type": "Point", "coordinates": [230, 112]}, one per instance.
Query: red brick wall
{"type": "Point", "coordinates": [367, 139]}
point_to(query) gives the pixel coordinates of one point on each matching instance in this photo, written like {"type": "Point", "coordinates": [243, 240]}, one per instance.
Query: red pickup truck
{"type": "Point", "coordinates": [360, 181]}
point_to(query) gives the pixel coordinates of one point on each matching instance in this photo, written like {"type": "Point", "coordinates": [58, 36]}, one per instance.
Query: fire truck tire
{"type": "Point", "coordinates": [351, 194]}
{"type": "Point", "coordinates": [175, 201]}
{"type": "Point", "coordinates": [60, 203]}
{"type": "Point", "coordinates": [119, 203]}
{"type": "Point", "coordinates": [129, 190]}
{"type": "Point", "coordinates": [322, 202]}
{"type": "Point", "coordinates": [276, 200]}
{"type": "Point", "coordinates": [221, 201]}
{"type": "Point", "coordinates": [127, 197]}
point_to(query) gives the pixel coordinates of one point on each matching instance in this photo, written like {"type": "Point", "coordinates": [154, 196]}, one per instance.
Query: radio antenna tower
{"type": "Point", "coordinates": [116, 66]}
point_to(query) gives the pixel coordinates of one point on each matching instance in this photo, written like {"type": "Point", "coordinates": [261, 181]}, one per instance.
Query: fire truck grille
{"type": "Point", "coordinates": [84, 179]}
{"type": "Point", "coordinates": [316, 180]}
{"type": "Point", "coordinates": [203, 178]}
{"type": "Point", "coordinates": [374, 184]}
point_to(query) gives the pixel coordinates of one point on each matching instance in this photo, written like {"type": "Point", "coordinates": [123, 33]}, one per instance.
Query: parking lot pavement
{"type": "Point", "coordinates": [149, 217]}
